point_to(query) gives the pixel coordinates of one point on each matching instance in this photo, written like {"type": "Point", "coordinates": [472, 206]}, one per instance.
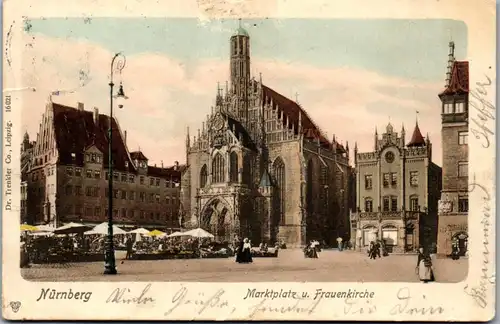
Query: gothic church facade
{"type": "Point", "coordinates": [259, 167]}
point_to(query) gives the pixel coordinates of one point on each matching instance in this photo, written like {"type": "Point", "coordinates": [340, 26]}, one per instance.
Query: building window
{"type": "Point", "coordinates": [124, 212]}
{"type": "Point", "coordinates": [394, 179]}
{"type": "Point", "coordinates": [448, 108]}
{"type": "Point", "coordinates": [167, 199]}
{"type": "Point", "coordinates": [126, 164]}
{"type": "Point", "coordinates": [157, 182]}
{"type": "Point", "coordinates": [463, 169]}
{"type": "Point", "coordinates": [218, 168]}
{"type": "Point", "coordinates": [88, 191]}
{"type": "Point", "coordinates": [131, 195]}
{"type": "Point", "coordinates": [88, 211]}
{"type": "Point", "coordinates": [386, 180]}
{"type": "Point", "coordinates": [116, 194]}
{"type": "Point", "coordinates": [368, 181]}
{"type": "Point", "coordinates": [463, 205]}
{"type": "Point", "coordinates": [78, 190]}
{"type": "Point", "coordinates": [233, 167]}
{"type": "Point", "coordinates": [463, 138]}
{"type": "Point", "coordinates": [78, 172]}
{"type": "Point", "coordinates": [88, 173]}
{"type": "Point", "coordinates": [124, 194]}
{"type": "Point", "coordinates": [414, 203]}
{"type": "Point", "coordinates": [279, 176]}
{"type": "Point", "coordinates": [97, 211]}
{"type": "Point", "coordinates": [124, 177]}
{"type": "Point", "coordinates": [141, 180]}
{"type": "Point", "coordinates": [131, 179]}
{"type": "Point", "coordinates": [386, 204]}
{"type": "Point", "coordinates": [107, 175]}
{"type": "Point", "coordinates": [460, 107]}
{"type": "Point", "coordinates": [157, 198]}
{"type": "Point", "coordinates": [203, 176]}
{"type": "Point", "coordinates": [97, 174]}
{"type": "Point", "coordinates": [69, 171]}
{"type": "Point", "coordinates": [142, 196]}
{"type": "Point", "coordinates": [151, 197]}
{"type": "Point", "coordinates": [116, 176]}
{"type": "Point", "coordinates": [151, 181]}
{"type": "Point", "coordinates": [414, 178]}
{"type": "Point", "coordinates": [368, 205]}
{"type": "Point", "coordinates": [394, 204]}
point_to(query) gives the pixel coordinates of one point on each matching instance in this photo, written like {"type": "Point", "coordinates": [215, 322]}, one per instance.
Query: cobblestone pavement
{"type": "Point", "coordinates": [347, 266]}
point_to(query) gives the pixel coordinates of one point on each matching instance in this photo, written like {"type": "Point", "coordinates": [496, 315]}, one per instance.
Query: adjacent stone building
{"type": "Point", "coordinates": [259, 167]}
{"type": "Point", "coordinates": [67, 180]}
{"type": "Point", "coordinates": [398, 188]}
{"type": "Point", "coordinates": [454, 203]}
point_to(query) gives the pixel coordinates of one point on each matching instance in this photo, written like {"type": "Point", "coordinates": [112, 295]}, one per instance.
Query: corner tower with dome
{"type": "Point", "coordinates": [398, 187]}
{"type": "Point", "coordinates": [259, 166]}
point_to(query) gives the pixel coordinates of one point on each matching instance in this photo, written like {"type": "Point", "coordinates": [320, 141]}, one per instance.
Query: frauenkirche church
{"type": "Point", "coordinates": [259, 167]}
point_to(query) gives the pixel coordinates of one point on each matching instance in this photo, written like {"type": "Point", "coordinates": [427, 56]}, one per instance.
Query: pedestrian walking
{"type": "Point", "coordinates": [424, 266]}
{"type": "Point", "coordinates": [339, 243]}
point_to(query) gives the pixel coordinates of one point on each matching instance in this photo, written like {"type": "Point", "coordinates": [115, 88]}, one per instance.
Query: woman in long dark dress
{"type": "Point", "coordinates": [239, 252]}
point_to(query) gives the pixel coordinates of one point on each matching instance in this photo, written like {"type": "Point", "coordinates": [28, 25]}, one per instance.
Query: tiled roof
{"type": "Point", "coordinates": [292, 110]}
{"type": "Point", "coordinates": [168, 172]}
{"type": "Point", "coordinates": [459, 82]}
{"type": "Point", "coordinates": [416, 139]}
{"type": "Point", "coordinates": [75, 131]}
{"type": "Point", "coordinates": [138, 155]}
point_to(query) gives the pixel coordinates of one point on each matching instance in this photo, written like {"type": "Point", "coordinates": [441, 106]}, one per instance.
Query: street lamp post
{"type": "Point", "coordinates": [110, 263]}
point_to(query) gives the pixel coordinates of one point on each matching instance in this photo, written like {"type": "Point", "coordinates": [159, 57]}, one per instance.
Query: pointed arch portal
{"type": "Point", "coordinates": [218, 218]}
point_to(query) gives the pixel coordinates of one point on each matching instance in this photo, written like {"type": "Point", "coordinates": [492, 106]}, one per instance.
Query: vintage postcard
{"type": "Point", "coordinates": [249, 160]}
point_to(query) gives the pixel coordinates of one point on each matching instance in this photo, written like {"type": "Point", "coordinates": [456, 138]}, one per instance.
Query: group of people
{"type": "Point", "coordinates": [374, 250]}
{"type": "Point", "coordinates": [311, 250]}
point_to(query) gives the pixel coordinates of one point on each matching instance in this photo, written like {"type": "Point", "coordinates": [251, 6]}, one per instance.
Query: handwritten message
{"type": "Point", "coordinates": [485, 112]}
{"type": "Point", "coordinates": [479, 292]}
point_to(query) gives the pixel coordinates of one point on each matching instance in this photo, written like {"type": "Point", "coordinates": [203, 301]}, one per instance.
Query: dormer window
{"type": "Point", "coordinates": [73, 156]}
{"type": "Point", "coordinates": [460, 107]}
{"type": "Point", "coordinates": [126, 164]}
{"type": "Point", "coordinates": [448, 108]}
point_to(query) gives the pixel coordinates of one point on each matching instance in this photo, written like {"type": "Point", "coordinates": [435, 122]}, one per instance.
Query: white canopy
{"type": "Point", "coordinates": [44, 228]}
{"type": "Point", "coordinates": [72, 228]}
{"type": "Point", "coordinates": [176, 234]}
{"type": "Point", "coordinates": [139, 231]}
{"type": "Point", "coordinates": [198, 232]}
{"type": "Point", "coordinates": [102, 229]}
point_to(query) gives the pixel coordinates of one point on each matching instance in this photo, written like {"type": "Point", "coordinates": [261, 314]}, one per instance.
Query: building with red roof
{"type": "Point", "coordinates": [67, 178]}
{"type": "Point", "coordinates": [454, 203]}
{"type": "Point", "coordinates": [260, 167]}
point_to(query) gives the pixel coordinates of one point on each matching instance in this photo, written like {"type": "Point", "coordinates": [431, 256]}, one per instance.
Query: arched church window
{"type": "Point", "coordinates": [203, 176]}
{"type": "Point", "coordinates": [309, 187]}
{"type": "Point", "coordinates": [218, 168]}
{"type": "Point", "coordinates": [233, 167]}
{"type": "Point", "coordinates": [279, 176]}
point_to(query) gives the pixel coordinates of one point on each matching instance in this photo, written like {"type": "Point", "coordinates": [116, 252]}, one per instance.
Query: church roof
{"type": "Point", "coordinates": [416, 139]}
{"type": "Point", "coordinates": [292, 110]}
{"type": "Point", "coordinates": [75, 130]}
{"type": "Point", "coordinates": [459, 82]}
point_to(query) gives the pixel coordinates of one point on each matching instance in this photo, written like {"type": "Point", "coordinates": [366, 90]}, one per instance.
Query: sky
{"type": "Point", "coordinates": [351, 76]}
